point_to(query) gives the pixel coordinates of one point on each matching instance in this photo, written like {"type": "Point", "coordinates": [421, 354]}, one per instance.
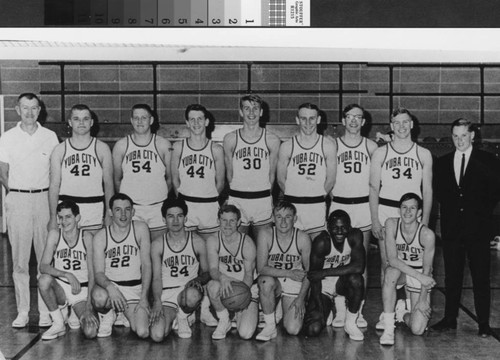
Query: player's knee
{"type": "Point", "coordinates": [418, 323]}
{"type": "Point", "coordinates": [356, 281]}
{"type": "Point", "coordinates": [213, 289]}
{"type": "Point", "coordinates": [267, 284]}
{"type": "Point", "coordinates": [390, 276]}
{"type": "Point", "coordinates": [89, 331]}
{"type": "Point", "coordinates": [312, 329]}
{"type": "Point", "coordinates": [142, 331]}
{"type": "Point", "coordinates": [99, 298]}
{"type": "Point", "coordinates": [245, 332]}
{"type": "Point", "coordinates": [45, 282]}
{"type": "Point", "coordinates": [157, 335]}
{"type": "Point", "coordinates": [292, 327]}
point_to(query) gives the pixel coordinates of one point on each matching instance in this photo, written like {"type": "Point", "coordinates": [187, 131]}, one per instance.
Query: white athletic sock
{"type": "Point", "coordinates": [270, 319]}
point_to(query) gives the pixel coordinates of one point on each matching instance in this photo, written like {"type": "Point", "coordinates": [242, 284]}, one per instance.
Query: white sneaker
{"type": "Point", "coordinates": [351, 328]}
{"type": "Point", "coordinates": [361, 322]}
{"type": "Point", "coordinates": [73, 320]}
{"type": "Point", "coordinates": [45, 320]}
{"type": "Point", "coordinates": [56, 330]}
{"type": "Point", "coordinates": [330, 319]}
{"type": "Point", "coordinates": [387, 338]}
{"type": "Point", "coordinates": [21, 320]}
{"type": "Point", "coordinates": [269, 332]}
{"type": "Point", "coordinates": [401, 310]}
{"type": "Point", "coordinates": [207, 318]}
{"type": "Point", "coordinates": [222, 329]}
{"type": "Point", "coordinates": [106, 323]}
{"type": "Point", "coordinates": [121, 320]}
{"type": "Point", "coordinates": [184, 330]}
{"type": "Point", "coordinates": [380, 325]}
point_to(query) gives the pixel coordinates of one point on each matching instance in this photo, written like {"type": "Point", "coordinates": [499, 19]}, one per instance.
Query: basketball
{"type": "Point", "coordinates": [239, 299]}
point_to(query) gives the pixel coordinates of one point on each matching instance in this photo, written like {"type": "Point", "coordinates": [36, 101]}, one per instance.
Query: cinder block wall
{"type": "Point", "coordinates": [434, 112]}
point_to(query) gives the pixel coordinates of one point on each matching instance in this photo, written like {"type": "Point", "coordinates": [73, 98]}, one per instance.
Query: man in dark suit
{"type": "Point", "coordinates": [468, 188]}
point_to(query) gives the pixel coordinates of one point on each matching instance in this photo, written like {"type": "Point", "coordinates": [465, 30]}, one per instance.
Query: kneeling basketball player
{"type": "Point", "coordinates": [410, 253]}
{"type": "Point", "coordinates": [282, 263]}
{"type": "Point", "coordinates": [231, 257]}
{"type": "Point", "coordinates": [336, 268]}
{"type": "Point", "coordinates": [180, 270]}
{"type": "Point", "coordinates": [122, 267]}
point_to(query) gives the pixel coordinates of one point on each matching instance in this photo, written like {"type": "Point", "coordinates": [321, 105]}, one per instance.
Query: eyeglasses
{"type": "Point", "coordinates": [351, 116]}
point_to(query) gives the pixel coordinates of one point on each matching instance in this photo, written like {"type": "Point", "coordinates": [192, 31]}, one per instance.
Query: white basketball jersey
{"type": "Point", "coordinates": [197, 171]}
{"type": "Point", "coordinates": [251, 164]}
{"type": "Point", "coordinates": [179, 267]}
{"type": "Point", "coordinates": [143, 173]}
{"type": "Point", "coordinates": [81, 171]}
{"type": "Point", "coordinates": [410, 251]}
{"type": "Point", "coordinates": [306, 172]}
{"type": "Point", "coordinates": [401, 173]}
{"type": "Point", "coordinates": [335, 259]}
{"type": "Point", "coordinates": [123, 258]}
{"type": "Point", "coordinates": [229, 264]}
{"type": "Point", "coordinates": [72, 259]}
{"type": "Point", "coordinates": [285, 259]}
{"type": "Point", "coordinates": [353, 170]}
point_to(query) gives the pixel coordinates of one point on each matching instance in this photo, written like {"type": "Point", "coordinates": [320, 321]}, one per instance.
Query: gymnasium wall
{"type": "Point", "coordinates": [218, 87]}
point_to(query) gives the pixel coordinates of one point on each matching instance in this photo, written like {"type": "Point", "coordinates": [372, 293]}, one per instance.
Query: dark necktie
{"type": "Point", "coordinates": [462, 170]}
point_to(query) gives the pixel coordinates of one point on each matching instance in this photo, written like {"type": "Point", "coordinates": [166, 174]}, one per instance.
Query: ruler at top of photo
{"type": "Point", "coordinates": [177, 13]}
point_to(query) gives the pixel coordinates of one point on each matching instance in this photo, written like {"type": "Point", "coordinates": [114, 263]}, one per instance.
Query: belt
{"type": "Point", "coordinates": [198, 199]}
{"type": "Point", "coordinates": [387, 202]}
{"type": "Point", "coordinates": [29, 191]}
{"type": "Point", "coordinates": [305, 199]}
{"type": "Point", "coordinates": [249, 194]}
{"type": "Point", "coordinates": [350, 201]}
{"type": "Point", "coordinates": [82, 200]}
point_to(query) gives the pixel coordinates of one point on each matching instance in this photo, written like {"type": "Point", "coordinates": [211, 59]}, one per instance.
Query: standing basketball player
{"type": "Point", "coordinates": [198, 172]}
{"type": "Point", "coordinates": [67, 274]}
{"type": "Point", "coordinates": [231, 257]}
{"type": "Point", "coordinates": [122, 267]}
{"type": "Point", "coordinates": [410, 253]}
{"type": "Point", "coordinates": [81, 170]}
{"type": "Point", "coordinates": [24, 172]}
{"type": "Point", "coordinates": [337, 266]}
{"type": "Point", "coordinates": [180, 270]}
{"type": "Point", "coordinates": [141, 163]}
{"type": "Point", "coordinates": [250, 156]}
{"type": "Point", "coordinates": [282, 264]}
{"type": "Point", "coordinates": [352, 187]}
{"type": "Point", "coordinates": [306, 170]}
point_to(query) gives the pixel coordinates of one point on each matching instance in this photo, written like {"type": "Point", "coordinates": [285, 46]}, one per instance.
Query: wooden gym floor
{"type": "Point", "coordinates": [463, 343]}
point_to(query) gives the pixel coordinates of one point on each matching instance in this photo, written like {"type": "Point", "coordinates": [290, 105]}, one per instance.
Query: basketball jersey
{"type": "Point", "coordinates": [197, 171]}
{"type": "Point", "coordinates": [285, 259]}
{"type": "Point", "coordinates": [229, 264]}
{"type": "Point", "coordinates": [353, 170]}
{"type": "Point", "coordinates": [179, 267]}
{"type": "Point", "coordinates": [123, 258]}
{"type": "Point", "coordinates": [143, 173]}
{"type": "Point", "coordinates": [336, 258]}
{"type": "Point", "coordinates": [401, 173]}
{"type": "Point", "coordinates": [71, 258]}
{"type": "Point", "coordinates": [81, 171]}
{"type": "Point", "coordinates": [306, 172]}
{"type": "Point", "coordinates": [411, 253]}
{"type": "Point", "coordinates": [251, 164]}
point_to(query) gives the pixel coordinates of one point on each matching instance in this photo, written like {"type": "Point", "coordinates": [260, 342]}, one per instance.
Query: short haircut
{"type": "Point", "coordinates": [252, 98]}
{"type": "Point", "coordinates": [285, 205]}
{"type": "Point", "coordinates": [229, 209]}
{"type": "Point", "coordinates": [339, 214]}
{"type": "Point", "coordinates": [309, 106]}
{"type": "Point", "coordinates": [29, 96]}
{"type": "Point", "coordinates": [195, 107]}
{"type": "Point", "coordinates": [119, 196]}
{"type": "Point", "coordinates": [399, 111]}
{"type": "Point", "coordinates": [350, 107]}
{"type": "Point", "coordinates": [80, 107]}
{"type": "Point", "coordinates": [68, 204]}
{"type": "Point", "coordinates": [409, 196]}
{"type": "Point", "coordinates": [173, 203]}
{"type": "Point", "coordinates": [142, 107]}
{"type": "Point", "coordinates": [463, 122]}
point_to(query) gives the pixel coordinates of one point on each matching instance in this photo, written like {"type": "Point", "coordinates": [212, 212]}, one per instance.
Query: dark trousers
{"type": "Point", "coordinates": [478, 256]}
